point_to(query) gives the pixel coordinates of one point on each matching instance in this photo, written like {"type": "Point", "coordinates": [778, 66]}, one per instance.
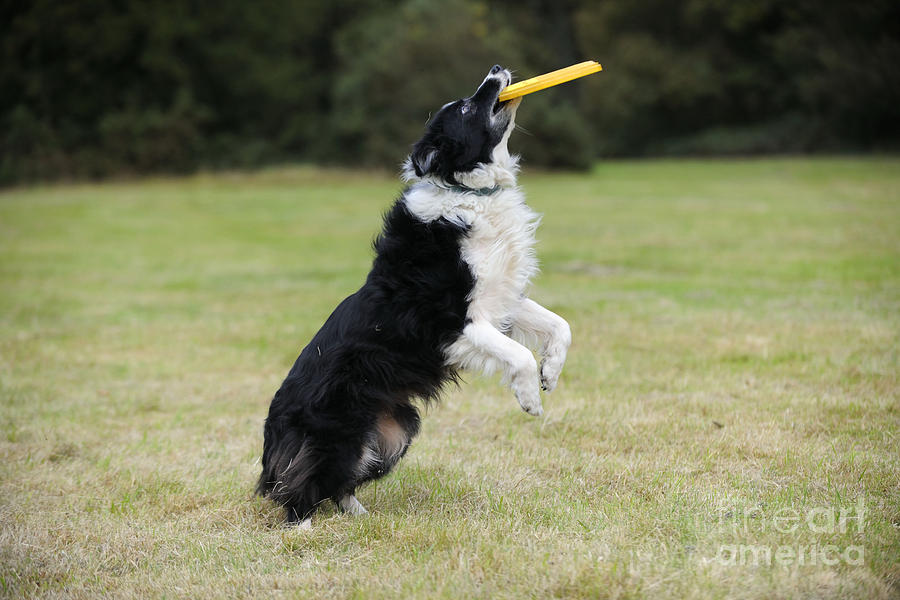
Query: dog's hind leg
{"type": "Point", "coordinates": [298, 515]}
{"type": "Point", "coordinates": [535, 324]}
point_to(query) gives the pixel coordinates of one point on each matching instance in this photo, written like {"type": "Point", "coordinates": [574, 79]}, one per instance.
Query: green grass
{"type": "Point", "coordinates": [734, 365]}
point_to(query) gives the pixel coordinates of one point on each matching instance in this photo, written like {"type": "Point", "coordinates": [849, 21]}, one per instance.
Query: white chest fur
{"type": "Point", "coordinates": [500, 253]}
{"type": "Point", "coordinates": [499, 248]}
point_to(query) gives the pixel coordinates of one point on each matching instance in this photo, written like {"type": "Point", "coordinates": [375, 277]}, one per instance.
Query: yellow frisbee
{"type": "Point", "coordinates": [542, 82]}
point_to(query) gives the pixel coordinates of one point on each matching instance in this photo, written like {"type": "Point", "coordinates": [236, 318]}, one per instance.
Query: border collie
{"type": "Point", "coordinates": [447, 291]}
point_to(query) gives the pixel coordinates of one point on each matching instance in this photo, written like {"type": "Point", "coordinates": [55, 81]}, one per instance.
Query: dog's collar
{"type": "Point", "coordinates": [461, 189]}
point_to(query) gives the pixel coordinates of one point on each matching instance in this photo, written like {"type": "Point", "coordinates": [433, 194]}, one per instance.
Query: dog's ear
{"type": "Point", "coordinates": [422, 158]}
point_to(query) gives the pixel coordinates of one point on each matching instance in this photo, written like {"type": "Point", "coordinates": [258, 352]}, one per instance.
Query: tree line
{"type": "Point", "coordinates": [90, 88]}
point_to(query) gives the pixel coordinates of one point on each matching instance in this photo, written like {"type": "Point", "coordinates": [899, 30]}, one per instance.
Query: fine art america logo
{"type": "Point", "coordinates": [819, 521]}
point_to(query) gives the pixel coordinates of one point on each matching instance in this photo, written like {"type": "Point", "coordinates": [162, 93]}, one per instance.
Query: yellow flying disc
{"type": "Point", "coordinates": [542, 82]}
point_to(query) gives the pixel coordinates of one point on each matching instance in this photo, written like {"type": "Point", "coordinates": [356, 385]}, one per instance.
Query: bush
{"type": "Point", "coordinates": [154, 140]}
{"type": "Point", "coordinates": [92, 87]}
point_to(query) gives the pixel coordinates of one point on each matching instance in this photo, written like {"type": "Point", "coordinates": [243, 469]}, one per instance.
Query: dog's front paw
{"type": "Point", "coordinates": [529, 398]}
{"type": "Point", "coordinates": [551, 369]}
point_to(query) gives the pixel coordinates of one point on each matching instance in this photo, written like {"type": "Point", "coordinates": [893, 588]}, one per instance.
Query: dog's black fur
{"type": "Point", "coordinates": [378, 351]}
{"type": "Point", "coordinates": [382, 348]}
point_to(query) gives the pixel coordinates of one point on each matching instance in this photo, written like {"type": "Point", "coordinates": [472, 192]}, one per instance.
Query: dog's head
{"type": "Point", "coordinates": [466, 140]}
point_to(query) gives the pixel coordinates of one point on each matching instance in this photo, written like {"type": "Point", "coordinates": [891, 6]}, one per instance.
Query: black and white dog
{"type": "Point", "coordinates": [447, 291]}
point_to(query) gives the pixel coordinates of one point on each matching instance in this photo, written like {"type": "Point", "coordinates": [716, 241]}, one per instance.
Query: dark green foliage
{"type": "Point", "coordinates": [95, 87]}
{"type": "Point", "coordinates": [743, 76]}
{"type": "Point", "coordinates": [553, 133]}
{"type": "Point", "coordinates": [397, 66]}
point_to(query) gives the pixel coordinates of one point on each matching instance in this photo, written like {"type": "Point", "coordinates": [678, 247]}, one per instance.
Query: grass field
{"type": "Point", "coordinates": [731, 389]}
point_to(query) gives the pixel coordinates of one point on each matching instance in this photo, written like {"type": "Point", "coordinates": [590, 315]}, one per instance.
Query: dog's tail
{"type": "Point", "coordinates": [288, 475]}
{"type": "Point", "coordinates": [285, 461]}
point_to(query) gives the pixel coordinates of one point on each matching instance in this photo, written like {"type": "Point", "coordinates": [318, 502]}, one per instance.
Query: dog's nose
{"type": "Point", "coordinates": [496, 69]}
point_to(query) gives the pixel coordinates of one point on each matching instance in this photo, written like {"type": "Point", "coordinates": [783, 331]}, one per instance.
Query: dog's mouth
{"type": "Point", "coordinates": [498, 106]}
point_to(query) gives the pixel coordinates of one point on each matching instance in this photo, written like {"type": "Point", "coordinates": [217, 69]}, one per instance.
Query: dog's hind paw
{"type": "Point", "coordinates": [350, 505]}
{"type": "Point", "coordinates": [304, 525]}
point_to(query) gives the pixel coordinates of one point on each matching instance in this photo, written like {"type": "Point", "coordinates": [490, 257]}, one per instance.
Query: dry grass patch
{"type": "Point", "coordinates": [732, 387]}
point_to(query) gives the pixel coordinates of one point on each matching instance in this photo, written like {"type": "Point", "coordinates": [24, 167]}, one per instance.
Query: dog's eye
{"type": "Point", "coordinates": [465, 108]}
